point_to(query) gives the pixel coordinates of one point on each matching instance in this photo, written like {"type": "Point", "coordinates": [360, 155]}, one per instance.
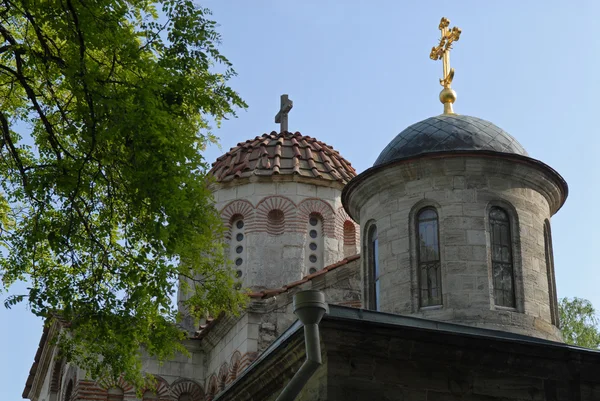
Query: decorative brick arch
{"type": "Point", "coordinates": [212, 387]}
{"type": "Point", "coordinates": [323, 209]}
{"type": "Point", "coordinates": [223, 373]}
{"type": "Point", "coordinates": [270, 203]}
{"type": "Point", "coordinates": [160, 387]}
{"type": "Point", "coordinates": [57, 371]}
{"type": "Point", "coordinates": [239, 207]}
{"type": "Point", "coordinates": [128, 389]}
{"type": "Point", "coordinates": [234, 366]}
{"type": "Point", "coordinates": [246, 360]}
{"type": "Point", "coordinates": [341, 217]}
{"type": "Point", "coordinates": [187, 386]}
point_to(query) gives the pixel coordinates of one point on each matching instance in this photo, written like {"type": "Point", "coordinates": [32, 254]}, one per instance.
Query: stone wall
{"type": "Point", "coordinates": [274, 257]}
{"type": "Point", "coordinates": [462, 190]}
{"type": "Point", "coordinates": [230, 346]}
{"type": "Point", "coordinates": [340, 286]}
{"type": "Point", "coordinates": [180, 366]}
{"type": "Point", "coordinates": [396, 366]}
{"type": "Point", "coordinates": [233, 343]}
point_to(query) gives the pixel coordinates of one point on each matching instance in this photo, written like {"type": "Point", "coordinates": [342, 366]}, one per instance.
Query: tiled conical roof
{"type": "Point", "coordinates": [286, 154]}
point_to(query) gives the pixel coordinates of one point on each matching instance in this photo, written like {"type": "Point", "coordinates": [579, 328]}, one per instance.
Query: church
{"type": "Point", "coordinates": [427, 277]}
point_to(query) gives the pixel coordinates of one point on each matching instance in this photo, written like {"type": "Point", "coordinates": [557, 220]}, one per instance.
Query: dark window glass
{"type": "Point", "coordinates": [502, 260]}
{"type": "Point", "coordinates": [239, 236]}
{"type": "Point", "coordinates": [185, 397]}
{"type": "Point", "coordinates": [313, 221]}
{"type": "Point", "coordinates": [313, 233]}
{"type": "Point", "coordinates": [239, 261]}
{"type": "Point", "coordinates": [240, 224]}
{"type": "Point", "coordinates": [239, 249]}
{"type": "Point", "coordinates": [312, 270]}
{"type": "Point", "coordinates": [238, 273]}
{"type": "Point", "coordinates": [312, 246]}
{"type": "Point", "coordinates": [312, 258]}
{"type": "Point", "coordinates": [553, 301]}
{"type": "Point", "coordinates": [374, 268]}
{"type": "Point", "coordinates": [428, 250]}
{"type": "Point", "coordinates": [69, 391]}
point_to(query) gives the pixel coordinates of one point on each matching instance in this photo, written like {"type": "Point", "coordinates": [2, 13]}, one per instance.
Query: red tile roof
{"type": "Point", "coordinates": [284, 153]}
{"type": "Point", "coordinates": [36, 362]}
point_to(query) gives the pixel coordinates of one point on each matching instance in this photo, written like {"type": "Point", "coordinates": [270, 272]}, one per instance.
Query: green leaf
{"type": "Point", "coordinates": [104, 202]}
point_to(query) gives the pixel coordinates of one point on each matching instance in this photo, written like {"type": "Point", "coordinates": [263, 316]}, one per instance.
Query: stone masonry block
{"type": "Point", "coordinates": [476, 237]}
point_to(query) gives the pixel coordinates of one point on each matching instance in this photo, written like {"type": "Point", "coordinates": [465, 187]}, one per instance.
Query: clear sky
{"type": "Point", "coordinates": [359, 73]}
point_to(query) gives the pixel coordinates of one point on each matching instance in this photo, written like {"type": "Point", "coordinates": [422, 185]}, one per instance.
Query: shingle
{"type": "Point", "coordinates": [447, 133]}
{"type": "Point", "coordinates": [284, 153]}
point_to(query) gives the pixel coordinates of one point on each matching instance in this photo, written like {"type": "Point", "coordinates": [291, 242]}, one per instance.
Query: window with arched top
{"type": "Point", "coordinates": [349, 238]}
{"type": "Point", "coordinates": [428, 257]}
{"type": "Point", "coordinates": [185, 397]}
{"type": "Point", "coordinates": [502, 257]}
{"type": "Point", "coordinates": [237, 245]}
{"type": "Point", "coordinates": [275, 222]}
{"type": "Point", "coordinates": [315, 243]}
{"type": "Point", "coordinates": [553, 300]}
{"type": "Point", "coordinates": [68, 391]}
{"type": "Point", "coordinates": [115, 394]}
{"type": "Point", "coordinates": [373, 269]}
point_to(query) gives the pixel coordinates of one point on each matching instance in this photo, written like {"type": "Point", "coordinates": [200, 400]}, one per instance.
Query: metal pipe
{"type": "Point", "coordinates": [309, 306]}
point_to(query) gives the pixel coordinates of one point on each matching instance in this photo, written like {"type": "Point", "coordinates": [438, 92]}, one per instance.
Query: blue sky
{"type": "Point", "coordinates": [359, 73]}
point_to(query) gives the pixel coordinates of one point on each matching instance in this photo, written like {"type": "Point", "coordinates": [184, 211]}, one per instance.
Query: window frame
{"type": "Point", "coordinates": [372, 296]}
{"type": "Point", "coordinates": [517, 272]}
{"type": "Point", "coordinates": [550, 274]}
{"type": "Point", "coordinates": [417, 235]}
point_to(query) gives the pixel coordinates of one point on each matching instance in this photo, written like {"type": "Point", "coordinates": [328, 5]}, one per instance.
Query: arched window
{"type": "Point", "coordinates": [275, 222]}
{"type": "Point", "coordinates": [428, 256]}
{"type": "Point", "coordinates": [68, 391]}
{"type": "Point", "coordinates": [502, 258]}
{"type": "Point", "coordinates": [553, 300]}
{"type": "Point", "coordinates": [314, 244]}
{"type": "Point", "coordinates": [150, 395]}
{"type": "Point", "coordinates": [349, 238]}
{"type": "Point", "coordinates": [374, 269]}
{"type": "Point", "coordinates": [115, 394]}
{"type": "Point", "coordinates": [237, 245]}
{"type": "Point", "coordinates": [185, 397]}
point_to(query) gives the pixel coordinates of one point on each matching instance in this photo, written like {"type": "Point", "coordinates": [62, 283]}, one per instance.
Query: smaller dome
{"type": "Point", "coordinates": [283, 154]}
{"type": "Point", "coordinates": [448, 133]}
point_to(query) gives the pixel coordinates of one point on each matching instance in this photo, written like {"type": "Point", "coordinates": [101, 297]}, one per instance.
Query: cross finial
{"type": "Point", "coordinates": [282, 116]}
{"type": "Point", "coordinates": [442, 52]}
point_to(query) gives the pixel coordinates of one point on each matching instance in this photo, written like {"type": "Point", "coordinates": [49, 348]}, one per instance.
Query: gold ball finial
{"type": "Point", "coordinates": [447, 97]}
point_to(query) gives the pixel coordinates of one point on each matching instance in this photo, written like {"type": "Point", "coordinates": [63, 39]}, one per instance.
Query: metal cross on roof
{"type": "Point", "coordinates": [282, 116]}
{"type": "Point", "coordinates": [442, 52]}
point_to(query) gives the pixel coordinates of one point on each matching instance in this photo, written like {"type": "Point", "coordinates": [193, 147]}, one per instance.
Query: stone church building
{"type": "Point", "coordinates": [436, 265]}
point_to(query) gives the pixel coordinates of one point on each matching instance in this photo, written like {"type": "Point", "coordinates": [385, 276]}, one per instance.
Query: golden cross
{"type": "Point", "coordinates": [442, 52]}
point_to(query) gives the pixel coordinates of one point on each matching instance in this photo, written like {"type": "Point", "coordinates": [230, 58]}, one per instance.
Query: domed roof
{"type": "Point", "coordinates": [447, 133]}
{"type": "Point", "coordinates": [285, 154]}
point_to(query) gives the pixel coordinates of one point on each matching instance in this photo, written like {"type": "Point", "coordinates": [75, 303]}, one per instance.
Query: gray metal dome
{"type": "Point", "coordinates": [447, 133]}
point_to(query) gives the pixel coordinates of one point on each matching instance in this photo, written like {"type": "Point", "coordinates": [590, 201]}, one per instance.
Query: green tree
{"type": "Point", "coordinates": [579, 323]}
{"type": "Point", "coordinates": [105, 110]}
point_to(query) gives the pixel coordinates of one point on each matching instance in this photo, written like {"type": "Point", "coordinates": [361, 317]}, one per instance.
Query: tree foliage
{"type": "Point", "coordinates": [579, 323]}
{"type": "Point", "coordinates": [105, 109]}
